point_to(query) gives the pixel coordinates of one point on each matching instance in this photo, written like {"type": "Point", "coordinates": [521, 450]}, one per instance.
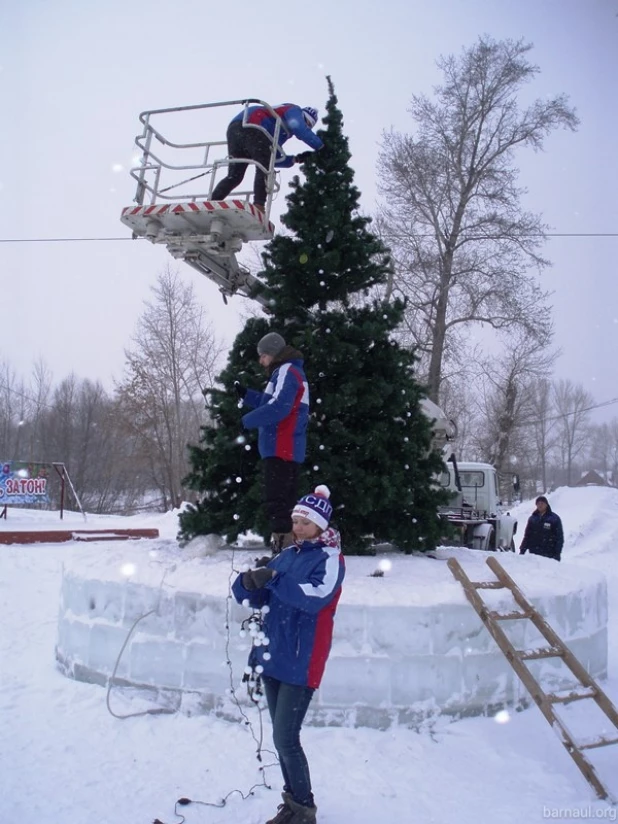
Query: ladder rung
{"type": "Point", "coordinates": [508, 616]}
{"type": "Point", "coordinates": [566, 698]}
{"type": "Point", "coordinates": [597, 742]}
{"type": "Point", "coordinates": [541, 652]}
{"type": "Point", "coordinates": [487, 585]}
{"type": "Point", "coordinates": [545, 701]}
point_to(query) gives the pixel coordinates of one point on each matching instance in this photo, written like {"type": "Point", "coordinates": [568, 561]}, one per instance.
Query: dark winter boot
{"type": "Point", "coordinates": [301, 814]}
{"type": "Point", "coordinates": [284, 811]}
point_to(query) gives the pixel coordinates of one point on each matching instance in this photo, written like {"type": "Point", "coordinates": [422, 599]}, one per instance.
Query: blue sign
{"type": "Point", "coordinates": [23, 483]}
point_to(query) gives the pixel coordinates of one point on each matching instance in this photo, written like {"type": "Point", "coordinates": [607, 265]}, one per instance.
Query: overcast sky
{"type": "Point", "coordinates": [75, 75]}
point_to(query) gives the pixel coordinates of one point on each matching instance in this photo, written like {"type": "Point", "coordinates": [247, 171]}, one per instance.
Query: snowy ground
{"type": "Point", "coordinates": [64, 758]}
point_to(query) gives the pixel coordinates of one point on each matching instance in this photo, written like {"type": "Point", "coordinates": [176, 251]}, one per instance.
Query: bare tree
{"type": "Point", "coordinates": [93, 438]}
{"type": "Point", "coordinates": [604, 450]}
{"type": "Point", "coordinates": [15, 406]}
{"type": "Point", "coordinates": [506, 402]}
{"type": "Point", "coordinates": [509, 398]}
{"type": "Point", "coordinates": [21, 409]}
{"type": "Point", "coordinates": [542, 428]}
{"type": "Point", "coordinates": [39, 393]}
{"type": "Point", "coordinates": [77, 423]}
{"type": "Point", "coordinates": [461, 240]}
{"type": "Point", "coordinates": [573, 404]}
{"type": "Point", "coordinates": [61, 440]}
{"type": "Point", "coordinates": [106, 469]}
{"type": "Point", "coordinates": [172, 360]}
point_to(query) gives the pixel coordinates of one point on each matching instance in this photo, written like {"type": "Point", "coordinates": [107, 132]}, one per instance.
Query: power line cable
{"type": "Point", "coordinates": [532, 234]}
{"type": "Point", "coordinates": [568, 414]}
{"type": "Point", "coordinates": [64, 239]}
{"type": "Point", "coordinates": [5, 387]}
{"type": "Point", "coordinates": [114, 239]}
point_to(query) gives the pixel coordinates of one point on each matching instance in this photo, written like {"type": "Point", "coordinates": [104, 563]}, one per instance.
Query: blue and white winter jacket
{"type": "Point", "coordinates": [292, 117]}
{"type": "Point", "coordinates": [302, 599]}
{"type": "Point", "coordinates": [281, 412]}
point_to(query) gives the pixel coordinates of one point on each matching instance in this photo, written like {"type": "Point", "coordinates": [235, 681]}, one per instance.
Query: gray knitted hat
{"type": "Point", "coordinates": [271, 344]}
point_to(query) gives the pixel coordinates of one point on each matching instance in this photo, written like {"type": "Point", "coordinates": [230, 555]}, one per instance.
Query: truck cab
{"type": "Point", "coordinates": [476, 511]}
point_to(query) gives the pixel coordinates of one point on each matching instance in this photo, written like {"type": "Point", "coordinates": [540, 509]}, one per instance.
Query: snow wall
{"type": "Point", "coordinates": [407, 645]}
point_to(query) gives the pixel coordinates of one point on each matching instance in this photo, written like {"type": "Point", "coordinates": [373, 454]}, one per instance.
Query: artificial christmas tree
{"type": "Point", "coordinates": [368, 438]}
{"type": "Point", "coordinates": [225, 467]}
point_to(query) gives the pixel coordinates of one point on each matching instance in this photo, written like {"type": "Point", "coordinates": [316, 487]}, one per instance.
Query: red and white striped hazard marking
{"type": "Point", "coordinates": [156, 210]}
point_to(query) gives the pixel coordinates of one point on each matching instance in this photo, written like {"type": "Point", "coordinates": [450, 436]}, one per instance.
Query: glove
{"type": "Point", "coordinates": [257, 578]}
{"type": "Point", "coordinates": [261, 576]}
{"type": "Point", "coordinates": [263, 561]}
{"type": "Point", "coordinates": [247, 581]}
{"type": "Point", "coordinates": [303, 156]}
{"type": "Point", "coordinates": [240, 390]}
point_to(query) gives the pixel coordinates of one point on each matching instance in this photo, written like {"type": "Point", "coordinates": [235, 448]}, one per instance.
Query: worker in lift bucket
{"type": "Point", "coordinates": [250, 136]}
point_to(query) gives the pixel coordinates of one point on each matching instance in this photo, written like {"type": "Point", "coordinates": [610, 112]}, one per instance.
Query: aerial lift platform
{"type": "Point", "coordinates": [175, 179]}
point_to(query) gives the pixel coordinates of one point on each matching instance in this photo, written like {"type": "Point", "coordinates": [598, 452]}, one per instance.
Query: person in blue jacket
{"type": "Point", "coordinates": [543, 534]}
{"type": "Point", "coordinates": [250, 136]}
{"type": "Point", "coordinates": [301, 587]}
{"type": "Point", "coordinates": [280, 414]}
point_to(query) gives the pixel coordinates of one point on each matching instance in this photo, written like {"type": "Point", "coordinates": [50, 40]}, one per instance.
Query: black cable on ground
{"type": "Point", "coordinates": [254, 691]}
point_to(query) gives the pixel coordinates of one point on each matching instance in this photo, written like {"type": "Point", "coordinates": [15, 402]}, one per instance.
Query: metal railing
{"type": "Point", "coordinates": [163, 181]}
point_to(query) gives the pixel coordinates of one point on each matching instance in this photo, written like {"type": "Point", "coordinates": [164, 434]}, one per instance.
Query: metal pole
{"type": "Point", "coordinates": [139, 194]}
{"type": "Point", "coordinates": [61, 488]}
{"type": "Point", "coordinates": [65, 473]}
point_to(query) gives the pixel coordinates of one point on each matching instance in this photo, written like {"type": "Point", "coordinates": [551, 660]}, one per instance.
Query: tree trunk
{"type": "Point", "coordinates": [434, 378]}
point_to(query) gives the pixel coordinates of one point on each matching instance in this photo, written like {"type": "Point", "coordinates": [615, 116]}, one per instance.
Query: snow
{"type": "Point", "coordinates": [401, 652]}
{"type": "Point", "coordinates": [64, 757]}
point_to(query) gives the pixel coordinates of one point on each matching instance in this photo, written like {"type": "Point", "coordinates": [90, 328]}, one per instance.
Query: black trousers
{"type": "Point", "coordinates": [280, 492]}
{"type": "Point", "coordinates": [250, 143]}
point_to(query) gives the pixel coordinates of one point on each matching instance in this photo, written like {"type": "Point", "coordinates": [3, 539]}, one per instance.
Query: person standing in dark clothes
{"type": "Point", "coordinates": [280, 414]}
{"type": "Point", "coordinates": [543, 535]}
{"type": "Point", "coordinates": [250, 136]}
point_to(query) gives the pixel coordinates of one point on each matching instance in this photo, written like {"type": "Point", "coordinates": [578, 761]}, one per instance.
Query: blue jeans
{"type": "Point", "coordinates": [287, 705]}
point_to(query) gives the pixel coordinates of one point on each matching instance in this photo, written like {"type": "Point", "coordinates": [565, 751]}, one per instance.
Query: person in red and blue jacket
{"type": "Point", "coordinates": [301, 587]}
{"type": "Point", "coordinates": [250, 136]}
{"type": "Point", "coordinates": [280, 414]}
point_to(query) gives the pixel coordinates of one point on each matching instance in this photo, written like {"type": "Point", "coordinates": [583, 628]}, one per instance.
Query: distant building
{"type": "Point", "coordinates": [591, 478]}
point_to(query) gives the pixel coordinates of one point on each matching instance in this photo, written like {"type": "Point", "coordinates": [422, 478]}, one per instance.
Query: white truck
{"type": "Point", "coordinates": [476, 510]}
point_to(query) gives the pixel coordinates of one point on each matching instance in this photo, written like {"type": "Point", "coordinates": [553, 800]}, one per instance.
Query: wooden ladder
{"type": "Point", "coordinates": [556, 648]}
